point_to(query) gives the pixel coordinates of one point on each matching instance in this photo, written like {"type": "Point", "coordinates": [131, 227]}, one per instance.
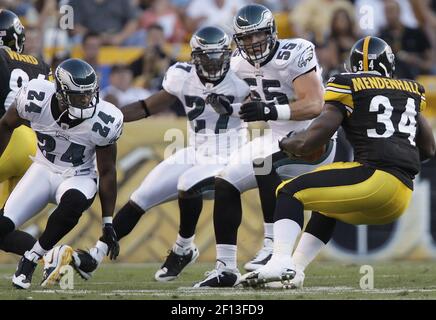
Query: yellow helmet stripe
{"type": "Point", "coordinates": [365, 53]}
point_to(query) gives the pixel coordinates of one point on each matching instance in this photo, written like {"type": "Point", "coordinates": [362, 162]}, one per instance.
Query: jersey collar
{"type": "Point", "coordinates": [63, 120]}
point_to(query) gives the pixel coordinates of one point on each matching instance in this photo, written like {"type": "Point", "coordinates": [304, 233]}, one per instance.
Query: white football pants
{"type": "Point", "coordinates": [40, 186]}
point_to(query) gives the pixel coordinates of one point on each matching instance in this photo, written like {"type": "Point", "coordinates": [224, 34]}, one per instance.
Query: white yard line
{"type": "Point", "coordinates": [189, 292]}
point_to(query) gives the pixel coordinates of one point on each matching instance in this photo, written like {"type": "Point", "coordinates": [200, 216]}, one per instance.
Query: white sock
{"type": "Point", "coordinates": [286, 232]}
{"type": "Point", "coordinates": [226, 253]}
{"type": "Point", "coordinates": [268, 229]}
{"type": "Point", "coordinates": [99, 251]}
{"type": "Point", "coordinates": [35, 253]}
{"type": "Point", "coordinates": [183, 245]}
{"type": "Point", "coordinates": [307, 249]}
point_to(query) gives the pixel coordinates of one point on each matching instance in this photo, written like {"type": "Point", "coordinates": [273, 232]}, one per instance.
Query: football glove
{"type": "Point", "coordinates": [110, 238]}
{"type": "Point", "coordinates": [258, 111]}
{"type": "Point", "coordinates": [220, 103]}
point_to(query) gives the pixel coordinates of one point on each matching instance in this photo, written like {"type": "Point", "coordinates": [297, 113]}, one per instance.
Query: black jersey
{"type": "Point", "coordinates": [380, 116]}
{"type": "Point", "coordinates": [15, 71]}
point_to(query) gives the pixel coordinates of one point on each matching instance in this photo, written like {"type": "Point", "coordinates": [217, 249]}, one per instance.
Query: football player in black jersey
{"type": "Point", "coordinates": [382, 119]}
{"type": "Point", "coordinates": [16, 70]}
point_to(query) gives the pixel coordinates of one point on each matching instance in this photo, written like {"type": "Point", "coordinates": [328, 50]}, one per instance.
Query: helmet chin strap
{"type": "Point", "coordinates": [17, 47]}
{"type": "Point", "coordinates": [60, 116]}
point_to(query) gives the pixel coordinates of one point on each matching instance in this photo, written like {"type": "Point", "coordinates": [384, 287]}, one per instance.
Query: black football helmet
{"type": "Point", "coordinates": [211, 53]}
{"type": "Point", "coordinates": [11, 31]}
{"type": "Point", "coordinates": [372, 54]}
{"type": "Point", "coordinates": [77, 88]}
{"type": "Point", "coordinates": [250, 19]}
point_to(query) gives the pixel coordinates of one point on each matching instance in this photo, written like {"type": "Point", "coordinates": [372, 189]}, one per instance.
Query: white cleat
{"type": "Point", "coordinates": [274, 271]}
{"type": "Point", "coordinates": [296, 282]}
{"type": "Point", "coordinates": [262, 256]}
{"type": "Point", "coordinates": [54, 260]}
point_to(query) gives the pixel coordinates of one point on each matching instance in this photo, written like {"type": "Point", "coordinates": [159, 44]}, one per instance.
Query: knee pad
{"type": "Point", "coordinates": [197, 189]}
{"type": "Point", "coordinates": [6, 225]}
{"type": "Point", "coordinates": [225, 190]}
{"type": "Point", "coordinates": [75, 201]}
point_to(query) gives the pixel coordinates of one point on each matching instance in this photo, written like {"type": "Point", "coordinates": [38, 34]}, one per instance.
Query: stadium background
{"type": "Point", "coordinates": [150, 49]}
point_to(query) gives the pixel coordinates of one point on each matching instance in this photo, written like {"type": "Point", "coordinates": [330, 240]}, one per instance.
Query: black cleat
{"type": "Point", "coordinates": [175, 263]}
{"type": "Point", "coordinates": [22, 278]}
{"type": "Point", "coordinates": [84, 264]}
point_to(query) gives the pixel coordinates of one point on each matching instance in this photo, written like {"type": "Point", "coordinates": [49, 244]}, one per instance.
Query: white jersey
{"type": "Point", "coordinates": [272, 82]}
{"type": "Point", "coordinates": [64, 149]}
{"type": "Point", "coordinates": [205, 125]}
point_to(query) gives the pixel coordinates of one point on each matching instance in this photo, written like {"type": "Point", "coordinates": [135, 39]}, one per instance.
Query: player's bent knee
{"type": "Point", "coordinates": [224, 187]}
{"type": "Point", "coordinates": [6, 225]}
{"type": "Point", "coordinates": [75, 201]}
{"type": "Point", "coordinates": [190, 193]}
{"type": "Point", "coordinates": [140, 201]}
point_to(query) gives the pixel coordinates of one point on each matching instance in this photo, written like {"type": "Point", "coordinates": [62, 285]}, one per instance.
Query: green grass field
{"type": "Point", "coordinates": [324, 280]}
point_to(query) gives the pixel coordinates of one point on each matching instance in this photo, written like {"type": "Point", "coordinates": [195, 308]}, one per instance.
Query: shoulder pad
{"type": "Point", "coordinates": [175, 77]}
{"type": "Point", "coordinates": [108, 124]}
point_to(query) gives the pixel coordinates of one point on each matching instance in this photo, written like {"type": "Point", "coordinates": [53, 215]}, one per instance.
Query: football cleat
{"type": "Point", "coordinates": [175, 263]}
{"type": "Point", "coordinates": [84, 264]}
{"type": "Point", "coordinates": [54, 260]}
{"type": "Point", "coordinates": [296, 282]}
{"type": "Point", "coordinates": [274, 270]}
{"type": "Point", "coordinates": [220, 277]}
{"type": "Point", "coordinates": [23, 275]}
{"type": "Point", "coordinates": [262, 256]}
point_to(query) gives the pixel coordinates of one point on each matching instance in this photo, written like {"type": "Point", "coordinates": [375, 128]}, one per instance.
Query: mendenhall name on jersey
{"type": "Point", "coordinates": [69, 150]}
{"type": "Point", "coordinates": [182, 81]}
{"type": "Point", "coordinates": [272, 81]}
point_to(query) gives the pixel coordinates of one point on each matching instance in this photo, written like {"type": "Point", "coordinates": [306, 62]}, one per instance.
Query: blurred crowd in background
{"type": "Point", "coordinates": [131, 43]}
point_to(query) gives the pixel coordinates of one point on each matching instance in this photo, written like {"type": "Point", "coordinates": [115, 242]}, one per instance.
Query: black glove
{"type": "Point", "coordinates": [258, 111]}
{"type": "Point", "coordinates": [220, 103]}
{"type": "Point", "coordinates": [110, 238]}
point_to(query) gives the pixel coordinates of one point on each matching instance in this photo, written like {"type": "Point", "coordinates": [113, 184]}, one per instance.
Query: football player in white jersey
{"type": "Point", "coordinates": [77, 136]}
{"type": "Point", "coordinates": [285, 80]}
{"type": "Point", "coordinates": [213, 137]}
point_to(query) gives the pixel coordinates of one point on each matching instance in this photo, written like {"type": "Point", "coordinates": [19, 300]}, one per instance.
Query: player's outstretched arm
{"type": "Point", "coordinates": [106, 160]}
{"type": "Point", "coordinates": [424, 139]}
{"type": "Point", "coordinates": [316, 135]}
{"type": "Point", "coordinates": [144, 108]}
{"type": "Point", "coordinates": [8, 123]}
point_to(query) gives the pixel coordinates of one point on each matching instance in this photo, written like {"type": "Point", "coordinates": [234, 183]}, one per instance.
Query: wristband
{"type": "Point", "coordinates": [236, 107]}
{"type": "Point", "coordinates": [144, 106]}
{"type": "Point", "coordinates": [107, 220]}
{"type": "Point", "coordinates": [283, 111]}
